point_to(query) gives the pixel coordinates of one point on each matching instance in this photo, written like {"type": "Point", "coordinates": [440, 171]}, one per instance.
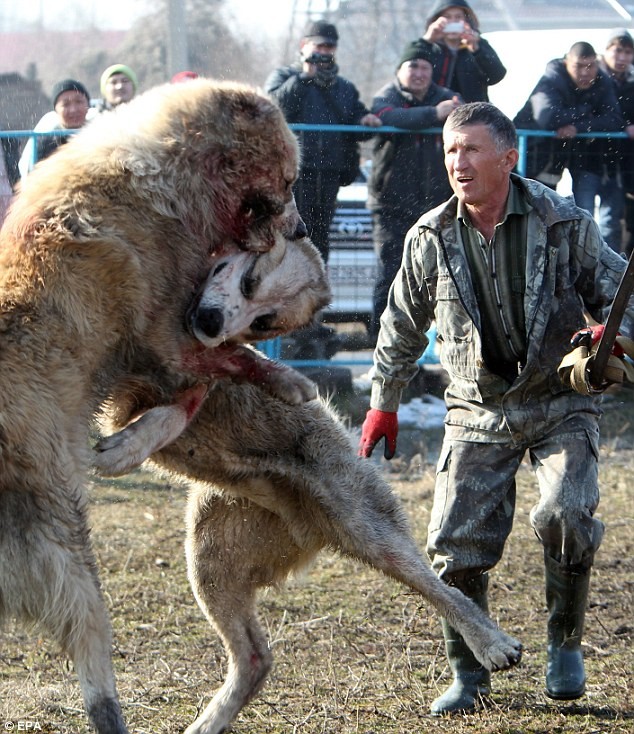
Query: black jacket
{"type": "Point", "coordinates": [469, 74]}
{"type": "Point", "coordinates": [408, 171]}
{"type": "Point", "coordinates": [303, 101]}
{"type": "Point", "coordinates": [556, 102]}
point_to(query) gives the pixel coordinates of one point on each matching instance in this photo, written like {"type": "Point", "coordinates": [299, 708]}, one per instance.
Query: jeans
{"type": "Point", "coordinates": [388, 232]}
{"type": "Point", "coordinates": [316, 197]}
{"type": "Point", "coordinates": [586, 186]}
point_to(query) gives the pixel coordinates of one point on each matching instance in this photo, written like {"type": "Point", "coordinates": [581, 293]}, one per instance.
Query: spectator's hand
{"type": "Point", "coordinates": [470, 38]}
{"type": "Point", "coordinates": [436, 30]}
{"type": "Point", "coordinates": [378, 424]}
{"type": "Point", "coordinates": [370, 120]}
{"type": "Point", "coordinates": [630, 131]}
{"type": "Point", "coordinates": [446, 107]}
{"type": "Point", "coordinates": [567, 131]}
{"type": "Point", "coordinates": [591, 335]}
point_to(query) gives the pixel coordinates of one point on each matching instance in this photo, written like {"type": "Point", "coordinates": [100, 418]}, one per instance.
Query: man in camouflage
{"type": "Point", "coordinates": [506, 268]}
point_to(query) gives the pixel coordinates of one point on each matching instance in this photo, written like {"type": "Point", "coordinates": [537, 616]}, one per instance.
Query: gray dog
{"type": "Point", "coordinates": [284, 482]}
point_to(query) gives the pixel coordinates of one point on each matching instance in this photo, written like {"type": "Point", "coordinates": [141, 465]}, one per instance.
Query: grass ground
{"type": "Point", "coordinates": [354, 651]}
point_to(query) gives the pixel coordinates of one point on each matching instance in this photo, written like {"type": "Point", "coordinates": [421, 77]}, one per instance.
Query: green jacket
{"type": "Point", "coordinates": [569, 268]}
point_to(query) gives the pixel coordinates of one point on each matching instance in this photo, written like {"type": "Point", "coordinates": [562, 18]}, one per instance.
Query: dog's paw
{"type": "Point", "coordinates": [126, 450]}
{"type": "Point", "coordinates": [117, 454]}
{"type": "Point", "coordinates": [503, 652]}
{"type": "Point", "coordinates": [291, 387]}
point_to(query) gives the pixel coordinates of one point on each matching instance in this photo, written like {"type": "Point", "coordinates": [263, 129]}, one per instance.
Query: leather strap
{"type": "Point", "coordinates": [575, 367]}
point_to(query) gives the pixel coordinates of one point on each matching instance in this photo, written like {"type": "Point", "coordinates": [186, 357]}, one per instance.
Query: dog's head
{"type": "Point", "coordinates": [218, 158]}
{"type": "Point", "coordinates": [255, 296]}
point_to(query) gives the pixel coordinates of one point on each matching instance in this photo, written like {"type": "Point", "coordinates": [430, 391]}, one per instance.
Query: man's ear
{"type": "Point", "coordinates": [511, 158]}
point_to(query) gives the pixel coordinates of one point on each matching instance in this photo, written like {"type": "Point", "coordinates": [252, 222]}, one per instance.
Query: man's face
{"type": "Point", "coordinates": [119, 89]}
{"type": "Point", "coordinates": [454, 15]}
{"type": "Point", "coordinates": [619, 58]}
{"type": "Point", "coordinates": [309, 47]}
{"type": "Point", "coordinates": [415, 76]}
{"type": "Point", "coordinates": [71, 108]}
{"type": "Point", "coordinates": [583, 70]}
{"type": "Point", "coordinates": [478, 171]}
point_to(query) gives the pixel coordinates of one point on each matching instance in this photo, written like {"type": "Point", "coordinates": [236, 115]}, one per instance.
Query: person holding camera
{"type": "Point", "coordinates": [312, 92]}
{"type": "Point", "coordinates": [408, 172]}
{"type": "Point", "coordinates": [466, 62]}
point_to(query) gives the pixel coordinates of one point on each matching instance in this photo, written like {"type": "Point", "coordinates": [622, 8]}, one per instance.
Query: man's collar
{"type": "Point", "coordinates": [516, 203]}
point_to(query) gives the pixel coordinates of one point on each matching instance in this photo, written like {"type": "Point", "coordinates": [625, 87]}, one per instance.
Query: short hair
{"type": "Point", "coordinates": [581, 50]}
{"type": "Point", "coordinates": [501, 128]}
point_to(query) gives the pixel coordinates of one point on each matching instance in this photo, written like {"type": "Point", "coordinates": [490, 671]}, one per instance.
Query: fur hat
{"type": "Point", "coordinates": [117, 69]}
{"type": "Point", "coordinates": [68, 85]}
{"type": "Point", "coordinates": [320, 31]}
{"type": "Point", "coordinates": [620, 35]}
{"type": "Point", "coordinates": [418, 49]}
{"type": "Point", "coordinates": [439, 8]}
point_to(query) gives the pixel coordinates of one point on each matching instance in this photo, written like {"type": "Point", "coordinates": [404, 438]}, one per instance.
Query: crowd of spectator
{"type": "Point", "coordinates": [450, 64]}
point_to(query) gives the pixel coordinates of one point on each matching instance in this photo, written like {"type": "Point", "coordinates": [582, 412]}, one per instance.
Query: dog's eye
{"type": "Point", "coordinates": [221, 266]}
{"type": "Point", "coordinates": [258, 208]}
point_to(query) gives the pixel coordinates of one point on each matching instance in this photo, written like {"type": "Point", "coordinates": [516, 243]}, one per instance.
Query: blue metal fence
{"type": "Point", "coordinates": [273, 348]}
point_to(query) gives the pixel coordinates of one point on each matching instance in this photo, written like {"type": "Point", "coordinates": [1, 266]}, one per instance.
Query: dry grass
{"type": "Point", "coordinates": [354, 651]}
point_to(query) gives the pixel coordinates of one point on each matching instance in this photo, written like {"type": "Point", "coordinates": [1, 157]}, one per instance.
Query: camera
{"type": "Point", "coordinates": [457, 27]}
{"type": "Point", "coordinates": [320, 59]}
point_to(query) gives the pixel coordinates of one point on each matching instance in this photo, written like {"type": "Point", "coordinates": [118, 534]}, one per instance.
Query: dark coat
{"type": "Point", "coordinates": [408, 171]}
{"type": "Point", "coordinates": [50, 143]}
{"type": "Point", "coordinates": [303, 101]}
{"type": "Point", "coordinates": [439, 7]}
{"type": "Point", "coordinates": [469, 74]}
{"type": "Point", "coordinates": [625, 97]}
{"type": "Point", "coordinates": [556, 102]}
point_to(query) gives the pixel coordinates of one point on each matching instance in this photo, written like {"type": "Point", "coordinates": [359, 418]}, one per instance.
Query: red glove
{"type": "Point", "coordinates": [378, 424]}
{"type": "Point", "coordinates": [590, 335]}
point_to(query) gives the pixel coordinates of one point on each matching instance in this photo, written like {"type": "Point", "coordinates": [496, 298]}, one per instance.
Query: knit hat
{"type": "Point", "coordinates": [620, 35]}
{"type": "Point", "coordinates": [117, 69]}
{"type": "Point", "coordinates": [68, 85]}
{"type": "Point", "coordinates": [184, 76]}
{"type": "Point", "coordinates": [418, 49]}
{"type": "Point", "coordinates": [439, 8]}
{"type": "Point", "coordinates": [320, 31]}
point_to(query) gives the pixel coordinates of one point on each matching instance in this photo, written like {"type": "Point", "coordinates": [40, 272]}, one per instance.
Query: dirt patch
{"type": "Point", "coordinates": [354, 651]}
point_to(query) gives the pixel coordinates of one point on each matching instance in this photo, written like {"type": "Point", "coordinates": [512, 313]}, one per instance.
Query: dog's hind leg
{"type": "Point", "coordinates": [320, 487]}
{"type": "Point", "coordinates": [235, 547]}
{"type": "Point", "coordinates": [48, 576]}
{"type": "Point", "coordinates": [358, 514]}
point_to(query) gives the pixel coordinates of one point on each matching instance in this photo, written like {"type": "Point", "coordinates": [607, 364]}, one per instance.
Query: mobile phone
{"type": "Point", "coordinates": [456, 27]}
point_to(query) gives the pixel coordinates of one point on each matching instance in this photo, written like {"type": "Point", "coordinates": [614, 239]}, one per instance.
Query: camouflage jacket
{"type": "Point", "coordinates": [569, 269]}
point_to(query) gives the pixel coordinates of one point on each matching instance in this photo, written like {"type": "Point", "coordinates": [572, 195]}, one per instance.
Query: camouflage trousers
{"type": "Point", "coordinates": [474, 501]}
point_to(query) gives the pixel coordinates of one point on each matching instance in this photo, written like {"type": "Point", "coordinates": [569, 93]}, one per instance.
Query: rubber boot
{"type": "Point", "coordinates": [566, 598]}
{"type": "Point", "coordinates": [472, 681]}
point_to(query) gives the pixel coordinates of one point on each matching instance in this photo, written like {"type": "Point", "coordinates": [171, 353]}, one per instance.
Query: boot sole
{"type": "Point", "coordinates": [565, 695]}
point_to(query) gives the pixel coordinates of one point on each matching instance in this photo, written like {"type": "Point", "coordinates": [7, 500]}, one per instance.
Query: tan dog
{"type": "Point", "coordinates": [284, 482]}
{"type": "Point", "coordinates": [100, 258]}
